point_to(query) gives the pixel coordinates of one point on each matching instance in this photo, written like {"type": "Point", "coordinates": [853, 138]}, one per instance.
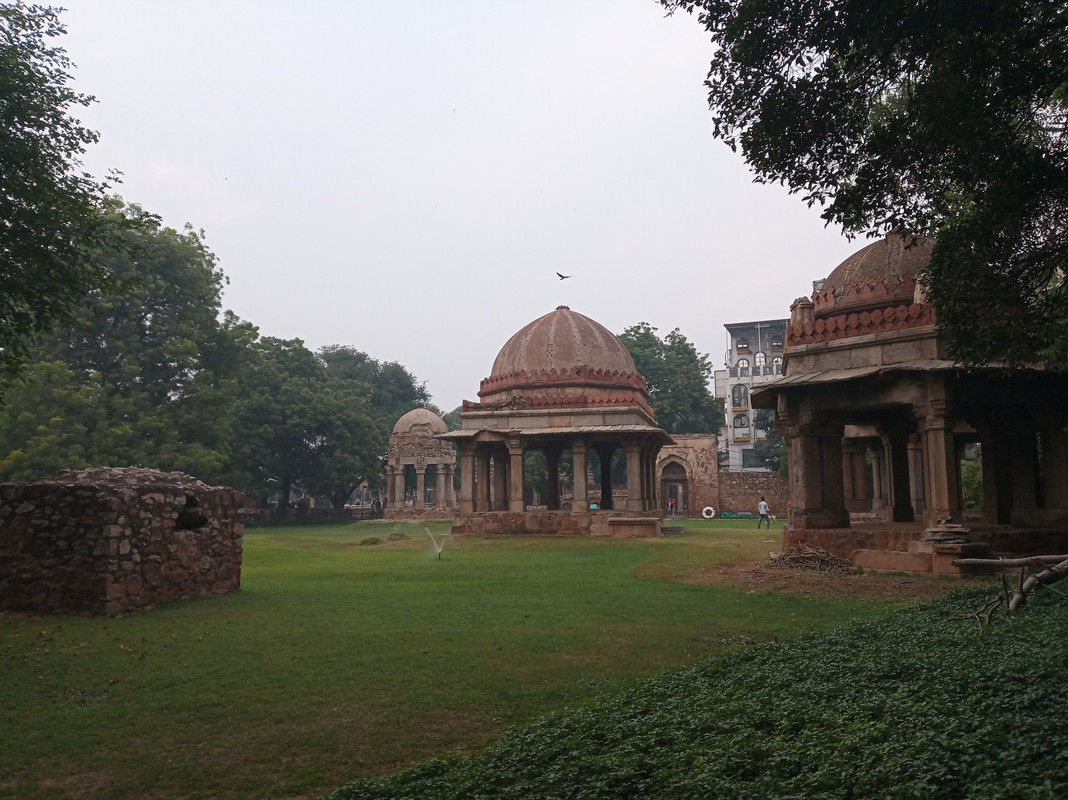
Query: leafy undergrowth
{"type": "Point", "coordinates": [914, 704]}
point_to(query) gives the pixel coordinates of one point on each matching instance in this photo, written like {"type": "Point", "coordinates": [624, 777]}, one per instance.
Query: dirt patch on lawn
{"type": "Point", "coordinates": [761, 577]}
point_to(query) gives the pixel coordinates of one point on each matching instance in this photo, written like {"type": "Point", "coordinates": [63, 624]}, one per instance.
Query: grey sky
{"type": "Point", "coordinates": [407, 178]}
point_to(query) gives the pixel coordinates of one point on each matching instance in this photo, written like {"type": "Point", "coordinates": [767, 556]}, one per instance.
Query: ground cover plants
{"type": "Point", "coordinates": [914, 705]}
{"type": "Point", "coordinates": [339, 661]}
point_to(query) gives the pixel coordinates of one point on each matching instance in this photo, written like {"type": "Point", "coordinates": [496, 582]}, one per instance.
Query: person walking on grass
{"type": "Point", "coordinates": [763, 511]}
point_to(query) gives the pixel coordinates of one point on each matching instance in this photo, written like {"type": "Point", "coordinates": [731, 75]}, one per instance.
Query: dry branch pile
{"type": "Point", "coordinates": [804, 556]}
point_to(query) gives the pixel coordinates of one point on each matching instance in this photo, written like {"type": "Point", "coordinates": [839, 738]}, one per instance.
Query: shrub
{"type": "Point", "coordinates": [916, 704]}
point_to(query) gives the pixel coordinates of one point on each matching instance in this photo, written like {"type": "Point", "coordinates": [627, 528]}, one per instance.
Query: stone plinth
{"type": "Point", "coordinates": [108, 540]}
{"type": "Point", "coordinates": [556, 523]}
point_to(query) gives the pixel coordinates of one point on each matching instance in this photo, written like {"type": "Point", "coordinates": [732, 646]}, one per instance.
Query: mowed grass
{"type": "Point", "coordinates": [338, 661]}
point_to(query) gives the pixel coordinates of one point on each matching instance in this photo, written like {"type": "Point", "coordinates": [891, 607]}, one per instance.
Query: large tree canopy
{"type": "Point", "coordinates": [49, 209]}
{"type": "Point", "coordinates": [676, 377]}
{"type": "Point", "coordinates": [945, 118]}
{"type": "Point", "coordinates": [147, 373]}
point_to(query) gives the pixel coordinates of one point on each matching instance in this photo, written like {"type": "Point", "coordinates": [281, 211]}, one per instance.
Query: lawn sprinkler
{"type": "Point", "coordinates": [438, 547]}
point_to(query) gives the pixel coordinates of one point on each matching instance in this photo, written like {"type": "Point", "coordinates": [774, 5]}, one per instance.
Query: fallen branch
{"type": "Point", "coordinates": [1029, 561]}
{"type": "Point", "coordinates": [804, 556]}
{"type": "Point", "coordinates": [1046, 577]}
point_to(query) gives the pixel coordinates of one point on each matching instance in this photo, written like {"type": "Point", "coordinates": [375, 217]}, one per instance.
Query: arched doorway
{"type": "Point", "coordinates": [675, 485]}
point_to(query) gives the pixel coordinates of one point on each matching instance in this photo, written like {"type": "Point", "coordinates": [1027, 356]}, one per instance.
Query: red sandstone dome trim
{"type": "Point", "coordinates": [842, 326]}
{"type": "Point", "coordinates": [579, 376]}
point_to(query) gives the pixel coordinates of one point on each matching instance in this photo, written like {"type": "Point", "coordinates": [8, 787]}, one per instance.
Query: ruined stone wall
{"type": "Point", "coordinates": [739, 492]}
{"type": "Point", "coordinates": [696, 452]}
{"type": "Point", "coordinates": [110, 540]}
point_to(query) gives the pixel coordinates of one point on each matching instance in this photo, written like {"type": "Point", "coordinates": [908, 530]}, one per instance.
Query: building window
{"type": "Point", "coordinates": [776, 366]}
{"type": "Point", "coordinates": [740, 398]}
{"type": "Point", "coordinates": [760, 360]}
{"type": "Point", "coordinates": [743, 366]}
{"type": "Point", "coordinates": [741, 345]}
{"type": "Point", "coordinates": [750, 459]}
{"type": "Point", "coordinates": [741, 428]}
{"type": "Point", "coordinates": [776, 342]}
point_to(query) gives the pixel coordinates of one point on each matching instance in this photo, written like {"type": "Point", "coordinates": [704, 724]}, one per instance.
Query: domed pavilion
{"type": "Point", "coordinates": [878, 420]}
{"type": "Point", "coordinates": [413, 453]}
{"type": "Point", "coordinates": [564, 385]}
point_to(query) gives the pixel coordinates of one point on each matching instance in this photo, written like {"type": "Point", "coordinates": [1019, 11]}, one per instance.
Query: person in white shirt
{"type": "Point", "coordinates": [764, 512]}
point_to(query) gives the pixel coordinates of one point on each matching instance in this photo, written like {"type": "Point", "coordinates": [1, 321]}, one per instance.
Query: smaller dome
{"type": "Point", "coordinates": [881, 275]}
{"type": "Point", "coordinates": [420, 420]}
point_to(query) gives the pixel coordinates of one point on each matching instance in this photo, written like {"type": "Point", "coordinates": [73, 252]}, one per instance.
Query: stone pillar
{"type": "Point", "coordinates": [482, 479]}
{"type": "Point", "coordinates": [515, 475]}
{"type": "Point", "coordinates": [879, 482]}
{"type": "Point", "coordinates": [805, 474]}
{"type": "Point", "coordinates": [578, 460]}
{"type": "Point", "coordinates": [604, 453]}
{"type": "Point", "coordinates": [1055, 468]}
{"type": "Point", "coordinates": [500, 479]}
{"type": "Point", "coordinates": [398, 486]}
{"type": "Point", "coordinates": [1024, 470]}
{"type": "Point", "coordinates": [941, 473]}
{"type": "Point", "coordinates": [467, 478]}
{"type": "Point", "coordinates": [635, 495]}
{"type": "Point", "coordinates": [855, 476]}
{"type": "Point", "coordinates": [833, 487]}
{"type": "Point", "coordinates": [391, 470]}
{"type": "Point", "coordinates": [816, 480]}
{"type": "Point", "coordinates": [918, 467]}
{"type": "Point", "coordinates": [450, 486]}
{"type": "Point", "coordinates": [440, 498]}
{"type": "Point", "coordinates": [552, 462]}
{"type": "Point", "coordinates": [650, 450]}
{"type": "Point", "coordinates": [420, 487]}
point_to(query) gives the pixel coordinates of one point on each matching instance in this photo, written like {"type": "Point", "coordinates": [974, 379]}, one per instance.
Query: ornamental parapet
{"type": "Point", "coordinates": [879, 320]}
{"type": "Point", "coordinates": [580, 376]}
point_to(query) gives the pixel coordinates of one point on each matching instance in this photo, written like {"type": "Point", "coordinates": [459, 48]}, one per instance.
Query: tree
{"type": "Point", "coordinates": [676, 377]}
{"type": "Point", "coordinates": [50, 218]}
{"type": "Point", "coordinates": [770, 451]}
{"type": "Point", "coordinates": [946, 118]}
{"type": "Point", "coordinates": [143, 374]}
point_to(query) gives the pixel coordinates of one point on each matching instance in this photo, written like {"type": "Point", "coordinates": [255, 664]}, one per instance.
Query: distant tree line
{"type": "Point", "coordinates": [146, 371]}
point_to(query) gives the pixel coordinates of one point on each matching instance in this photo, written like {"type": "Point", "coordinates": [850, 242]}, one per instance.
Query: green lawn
{"type": "Point", "coordinates": [338, 660]}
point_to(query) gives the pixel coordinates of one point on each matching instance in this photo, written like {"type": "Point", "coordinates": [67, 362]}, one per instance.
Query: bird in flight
{"type": "Point", "coordinates": [563, 277]}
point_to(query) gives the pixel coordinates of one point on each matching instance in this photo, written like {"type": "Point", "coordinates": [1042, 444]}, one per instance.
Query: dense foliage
{"type": "Point", "coordinates": [946, 118]}
{"type": "Point", "coordinates": [770, 448]}
{"type": "Point", "coordinates": [916, 704]}
{"type": "Point", "coordinates": [49, 217]}
{"type": "Point", "coordinates": [677, 378]}
{"type": "Point", "coordinates": [149, 374]}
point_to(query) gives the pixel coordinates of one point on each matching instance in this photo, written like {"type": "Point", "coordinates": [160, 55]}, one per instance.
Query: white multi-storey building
{"type": "Point", "coordinates": [754, 356]}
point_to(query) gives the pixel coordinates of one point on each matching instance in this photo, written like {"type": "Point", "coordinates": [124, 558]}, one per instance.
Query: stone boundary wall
{"type": "Point", "coordinates": [108, 540]}
{"type": "Point", "coordinates": [739, 492]}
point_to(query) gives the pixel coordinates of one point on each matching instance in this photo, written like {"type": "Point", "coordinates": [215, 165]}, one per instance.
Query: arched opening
{"type": "Point", "coordinates": [675, 488]}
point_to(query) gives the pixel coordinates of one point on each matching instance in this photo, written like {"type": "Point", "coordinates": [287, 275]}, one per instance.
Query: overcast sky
{"type": "Point", "coordinates": [408, 178]}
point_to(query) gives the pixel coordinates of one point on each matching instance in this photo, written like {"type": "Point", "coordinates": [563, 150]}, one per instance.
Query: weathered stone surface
{"type": "Point", "coordinates": [108, 540]}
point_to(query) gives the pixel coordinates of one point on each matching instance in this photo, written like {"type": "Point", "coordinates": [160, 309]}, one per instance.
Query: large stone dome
{"type": "Point", "coordinates": [421, 421]}
{"type": "Point", "coordinates": [881, 275]}
{"type": "Point", "coordinates": [564, 358]}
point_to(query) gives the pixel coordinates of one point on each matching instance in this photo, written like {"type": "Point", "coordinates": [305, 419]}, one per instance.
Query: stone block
{"type": "Point", "coordinates": [892, 561]}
